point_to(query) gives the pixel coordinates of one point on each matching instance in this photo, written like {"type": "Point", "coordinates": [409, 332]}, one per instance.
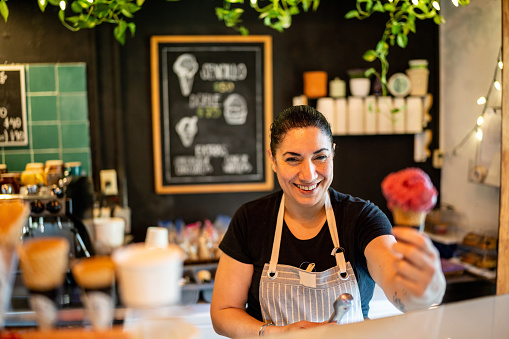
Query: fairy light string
{"type": "Point", "coordinates": [477, 129]}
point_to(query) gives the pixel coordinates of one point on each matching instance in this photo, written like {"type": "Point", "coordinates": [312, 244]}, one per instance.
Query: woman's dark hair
{"type": "Point", "coordinates": [296, 117]}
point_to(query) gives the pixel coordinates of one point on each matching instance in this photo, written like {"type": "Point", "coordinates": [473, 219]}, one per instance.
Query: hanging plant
{"type": "Point", "coordinates": [276, 14]}
{"type": "Point", "coordinates": [402, 18]}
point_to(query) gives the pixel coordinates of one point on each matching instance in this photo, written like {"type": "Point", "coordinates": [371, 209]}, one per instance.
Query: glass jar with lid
{"type": "Point", "coordinates": [54, 170]}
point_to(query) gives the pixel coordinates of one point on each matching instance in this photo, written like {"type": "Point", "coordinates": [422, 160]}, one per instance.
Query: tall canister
{"type": "Point", "coordinates": [419, 75]}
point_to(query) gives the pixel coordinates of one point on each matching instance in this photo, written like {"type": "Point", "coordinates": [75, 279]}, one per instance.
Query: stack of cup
{"type": "Point", "coordinates": [157, 237]}
{"type": "Point", "coordinates": [96, 278]}
{"type": "Point", "coordinates": [108, 234]}
{"type": "Point", "coordinates": [44, 262]}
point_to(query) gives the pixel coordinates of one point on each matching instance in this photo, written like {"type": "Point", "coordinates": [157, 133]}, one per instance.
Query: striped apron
{"type": "Point", "coordinates": [289, 294]}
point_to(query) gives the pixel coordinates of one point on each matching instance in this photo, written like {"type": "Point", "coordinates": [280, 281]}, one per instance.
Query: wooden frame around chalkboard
{"type": "Point", "coordinates": [204, 109]}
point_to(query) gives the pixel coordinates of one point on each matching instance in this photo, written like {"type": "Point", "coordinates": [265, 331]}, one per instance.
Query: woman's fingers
{"type": "Point", "coordinates": [419, 260]}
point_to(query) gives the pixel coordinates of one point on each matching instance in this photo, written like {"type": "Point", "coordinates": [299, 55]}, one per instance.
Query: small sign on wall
{"type": "Point", "coordinates": [13, 117]}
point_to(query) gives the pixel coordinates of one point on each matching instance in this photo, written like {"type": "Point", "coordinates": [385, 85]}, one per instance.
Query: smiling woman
{"type": "Point", "coordinates": [306, 255]}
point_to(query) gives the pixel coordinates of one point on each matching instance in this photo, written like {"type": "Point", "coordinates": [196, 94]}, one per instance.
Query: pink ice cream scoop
{"type": "Point", "coordinates": [410, 189]}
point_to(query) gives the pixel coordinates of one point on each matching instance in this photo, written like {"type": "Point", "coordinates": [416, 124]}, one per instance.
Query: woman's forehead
{"type": "Point", "coordinates": [306, 137]}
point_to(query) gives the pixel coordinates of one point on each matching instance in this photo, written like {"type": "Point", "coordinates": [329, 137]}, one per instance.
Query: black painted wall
{"type": "Point", "coordinates": [120, 94]}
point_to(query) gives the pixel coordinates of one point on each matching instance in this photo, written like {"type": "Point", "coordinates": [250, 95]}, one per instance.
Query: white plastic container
{"type": "Point", "coordinates": [149, 277]}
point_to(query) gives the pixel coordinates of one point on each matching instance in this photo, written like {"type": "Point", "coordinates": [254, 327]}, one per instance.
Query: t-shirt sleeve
{"type": "Point", "coordinates": [372, 223]}
{"type": "Point", "coordinates": [234, 242]}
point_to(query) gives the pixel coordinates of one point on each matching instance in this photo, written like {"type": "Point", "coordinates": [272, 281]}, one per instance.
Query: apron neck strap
{"type": "Point", "coordinates": [337, 252]}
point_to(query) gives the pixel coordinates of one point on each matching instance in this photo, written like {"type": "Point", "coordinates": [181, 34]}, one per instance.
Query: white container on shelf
{"type": "Point", "coordinates": [360, 87]}
{"type": "Point", "coordinates": [399, 116]}
{"type": "Point", "coordinates": [326, 107]}
{"type": "Point", "coordinates": [370, 114]}
{"type": "Point", "coordinates": [355, 115]}
{"type": "Point", "coordinates": [414, 115]}
{"type": "Point", "coordinates": [385, 122]}
{"type": "Point", "coordinates": [419, 75]}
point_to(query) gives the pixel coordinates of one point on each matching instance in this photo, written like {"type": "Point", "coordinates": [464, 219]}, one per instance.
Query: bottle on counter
{"type": "Point", "coordinates": [54, 170]}
{"type": "Point", "coordinates": [10, 183]}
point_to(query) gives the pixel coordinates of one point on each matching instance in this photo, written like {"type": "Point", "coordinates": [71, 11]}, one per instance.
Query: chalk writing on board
{"type": "Point", "coordinates": [211, 120]}
{"type": "Point", "coordinates": [13, 131]}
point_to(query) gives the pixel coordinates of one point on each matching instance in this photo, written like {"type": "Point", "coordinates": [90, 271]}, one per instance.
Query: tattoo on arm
{"type": "Point", "coordinates": [398, 303]}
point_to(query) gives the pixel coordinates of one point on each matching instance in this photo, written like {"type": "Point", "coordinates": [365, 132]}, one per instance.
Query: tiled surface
{"type": "Point", "coordinates": [57, 117]}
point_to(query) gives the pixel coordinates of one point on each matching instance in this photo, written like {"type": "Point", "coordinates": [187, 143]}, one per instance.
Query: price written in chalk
{"type": "Point", "coordinates": [12, 126]}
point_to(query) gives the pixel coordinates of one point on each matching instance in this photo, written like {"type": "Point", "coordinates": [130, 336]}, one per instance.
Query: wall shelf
{"type": "Point", "coordinates": [376, 115]}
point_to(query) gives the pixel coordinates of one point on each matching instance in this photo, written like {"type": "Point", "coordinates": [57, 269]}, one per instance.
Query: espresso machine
{"type": "Point", "coordinates": [52, 213]}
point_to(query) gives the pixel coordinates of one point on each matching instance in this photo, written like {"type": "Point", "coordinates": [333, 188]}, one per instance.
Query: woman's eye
{"type": "Point", "coordinates": [291, 160]}
{"type": "Point", "coordinates": [321, 157]}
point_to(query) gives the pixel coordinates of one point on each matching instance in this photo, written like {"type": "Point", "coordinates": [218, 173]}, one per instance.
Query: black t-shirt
{"type": "Point", "coordinates": [250, 236]}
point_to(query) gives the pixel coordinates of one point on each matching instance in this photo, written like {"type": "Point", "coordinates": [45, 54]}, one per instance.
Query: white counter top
{"type": "Point", "coordinates": [486, 318]}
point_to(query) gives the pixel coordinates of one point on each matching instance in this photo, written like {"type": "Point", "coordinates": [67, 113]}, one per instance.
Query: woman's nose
{"type": "Point", "coordinates": [307, 171]}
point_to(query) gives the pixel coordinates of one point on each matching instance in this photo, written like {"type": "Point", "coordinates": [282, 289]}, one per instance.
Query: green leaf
{"type": "Point", "coordinates": [119, 32]}
{"type": "Point", "coordinates": [402, 40]}
{"type": "Point", "coordinates": [369, 56]}
{"type": "Point", "coordinates": [132, 28]}
{"type": "Point", "coordinates": [370, 71]}
{"type": "Point", "coordinates": [243, 30]}
{"type": "Point", "coordinates": [396, 28]}
{"type": "Point", "coordinates": [4, 10]}
{"type": "Point", "coordinates": [382, 47]}
{"type": "Point", "coordinates": [379, 7]}
{"type": "Point", "coordinates": [439, 20]}
{"type": "Point", "coordinates": [42, 5]}
{"type": "Point", "coordinates": [352, 14]}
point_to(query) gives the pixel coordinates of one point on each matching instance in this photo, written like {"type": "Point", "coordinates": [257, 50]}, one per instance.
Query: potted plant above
{"type": "Point", "coordinates": [359, 82]}
{"type": "Point", "coordinates": [277, 14]}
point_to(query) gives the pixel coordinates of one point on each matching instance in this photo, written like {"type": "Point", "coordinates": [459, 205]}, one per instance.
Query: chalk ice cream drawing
{"type": "Point", "coordinates": [187, 128]}
{"type": "Point", "coordinates": [235, 109]}
{"type": "Point", "coordinates": [185, 67]}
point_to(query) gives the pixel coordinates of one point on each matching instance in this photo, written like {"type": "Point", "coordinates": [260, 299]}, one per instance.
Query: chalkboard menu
{"type": "Point", "coordinates": [211, 111]}
{"type": "Point", "coordinates": [13, 126]}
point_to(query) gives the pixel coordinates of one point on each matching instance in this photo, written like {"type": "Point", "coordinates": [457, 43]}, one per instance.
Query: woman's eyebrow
{"type": "Point", "coordinates": [298, 154]}
{"type": "Point", "coordinates": [321, 150]}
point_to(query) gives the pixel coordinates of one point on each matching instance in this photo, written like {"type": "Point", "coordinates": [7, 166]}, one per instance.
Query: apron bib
{"type": "Point", "coordinates": [289, 294]}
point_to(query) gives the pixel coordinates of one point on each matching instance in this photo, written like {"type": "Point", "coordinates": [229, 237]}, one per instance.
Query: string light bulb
{"type": "Point", "coordinates": [436, 5]}
{"type": "Point", "coordinates": [455, 3]}
{"type": "Point", "coordinates": [478, 134]}
{"type": "Point", "coordinates": [62, 5]}
{"type": "Point", "coordinates": [415, 2]}
{"type": "Point", "coordinates": [477, 130]}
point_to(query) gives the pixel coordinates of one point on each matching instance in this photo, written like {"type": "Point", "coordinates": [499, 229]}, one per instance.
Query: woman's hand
{"type": "Point", "coordinates": [300, 325]}
{"type": "Point", "coordinates": [418, 269]}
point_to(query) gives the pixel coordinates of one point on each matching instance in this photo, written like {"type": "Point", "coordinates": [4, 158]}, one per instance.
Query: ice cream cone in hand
{"type": "Point", "coordinates": [410, 196]}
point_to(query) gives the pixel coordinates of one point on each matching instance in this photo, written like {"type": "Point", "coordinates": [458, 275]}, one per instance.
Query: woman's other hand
{"type": "Point", "coordinates": [418, 269]}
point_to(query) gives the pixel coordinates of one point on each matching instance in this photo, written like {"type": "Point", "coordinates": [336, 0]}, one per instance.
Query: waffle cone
{"type": "Point", "coordinates": [94, 272]}
{"type": "Point", "coordinates": [409, 218]}
{"type": "Point", "coordinates": [44, 262]}
{"type": "Point", "coordinates": [13, 216]}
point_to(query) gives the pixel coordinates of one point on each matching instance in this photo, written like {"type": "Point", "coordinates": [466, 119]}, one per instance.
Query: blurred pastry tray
{"type": "Point", "coordinates": [194, 286]}
{"type": "Point", "coordinates": [462, 248]}
{"type": "Point", "coordinates": [482, 272]}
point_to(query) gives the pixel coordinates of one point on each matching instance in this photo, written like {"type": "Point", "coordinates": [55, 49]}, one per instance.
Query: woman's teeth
{"type": "Point", "coordinates": [307, 188]}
